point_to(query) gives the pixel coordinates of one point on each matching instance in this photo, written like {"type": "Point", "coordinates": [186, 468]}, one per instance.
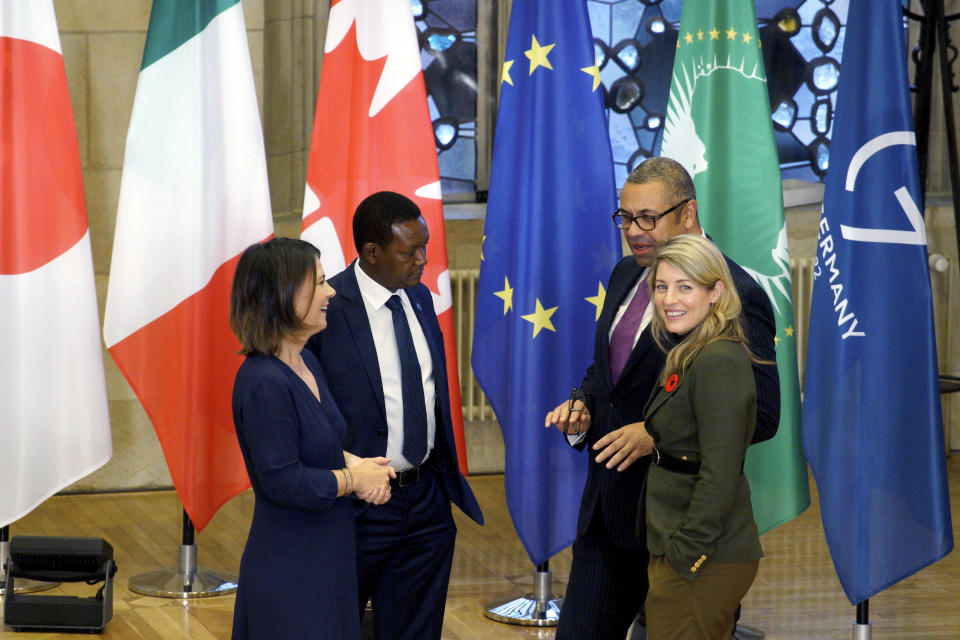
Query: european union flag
{"type": "Point", "coordinates": [549, 246]}
{"type": "Point", "coordinates": [872, 429]}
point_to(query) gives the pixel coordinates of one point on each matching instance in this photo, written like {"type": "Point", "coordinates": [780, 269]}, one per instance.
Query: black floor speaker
{"type": "Point", "coordinates": [59, 559]}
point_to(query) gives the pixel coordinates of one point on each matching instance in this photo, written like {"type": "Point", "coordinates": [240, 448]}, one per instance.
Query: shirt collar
{"type": "Point", "coordinates": [372, 291]}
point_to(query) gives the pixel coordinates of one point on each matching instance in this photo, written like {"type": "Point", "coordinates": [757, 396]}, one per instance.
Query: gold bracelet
{"type": "Point", "coordinates": [348, 477]}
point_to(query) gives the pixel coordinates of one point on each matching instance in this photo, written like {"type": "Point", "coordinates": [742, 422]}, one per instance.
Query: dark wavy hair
{"type": "Point", "coordinates": [265, 285]}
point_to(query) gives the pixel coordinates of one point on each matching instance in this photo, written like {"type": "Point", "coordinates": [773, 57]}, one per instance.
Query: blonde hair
{"type": "Point", "coordinates": [701, 261]}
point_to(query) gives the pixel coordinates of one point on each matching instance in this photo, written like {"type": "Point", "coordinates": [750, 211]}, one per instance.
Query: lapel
{"type": "Point", "coordinates": [420, 300]}
{"type": "Point", "coordinates": [358, 326]}
{"type": "Point", "coordinates": [423, 317]}
{"type": "Point", "coordinates": [662, 396]}
{"type": "Point", "coordinates": [644, 343]}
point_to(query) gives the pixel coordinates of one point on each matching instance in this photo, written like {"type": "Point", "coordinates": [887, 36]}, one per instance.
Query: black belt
{"type": "Point", "coordinates": [412, 475]}
{"type": "Point", "coordinates": [672, 463]}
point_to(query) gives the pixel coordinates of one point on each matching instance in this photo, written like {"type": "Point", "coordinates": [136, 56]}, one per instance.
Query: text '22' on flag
{"type": "Point", "coordinates": [872, 426]}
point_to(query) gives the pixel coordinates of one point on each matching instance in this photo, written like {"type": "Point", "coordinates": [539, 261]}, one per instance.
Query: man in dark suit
{"type": "Point", "coordinates": [383, 357]}
{"type": "Point", "coordinates": [608, 577]}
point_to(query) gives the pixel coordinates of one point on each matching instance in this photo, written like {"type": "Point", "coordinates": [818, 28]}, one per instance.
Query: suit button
{"type": "Point", "coordinates": [381, 433]}
{"type": "Point", "coordinates": [613, 405]}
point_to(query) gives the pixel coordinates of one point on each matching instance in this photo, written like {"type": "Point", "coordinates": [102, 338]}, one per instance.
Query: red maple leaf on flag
{"type": "Point", "coordinates": [372, 132]}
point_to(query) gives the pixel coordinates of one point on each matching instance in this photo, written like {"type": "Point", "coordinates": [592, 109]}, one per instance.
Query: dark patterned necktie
{"type": "Point", "coordinates": [414, 406]}
{"type": "Point", "coordinates": [621, 341]}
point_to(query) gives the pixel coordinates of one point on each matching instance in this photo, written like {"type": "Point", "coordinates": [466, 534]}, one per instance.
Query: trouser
{"type": "Point", "coordinates": [404, 557]}
{"type": "Point", "coordinates": [607, 587]}
{"type": "Point", "coordinates": [678, 609]}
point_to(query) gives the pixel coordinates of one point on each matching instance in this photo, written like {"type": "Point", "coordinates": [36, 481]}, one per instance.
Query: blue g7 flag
{"type": "Point", "coordinates": [872, 429]}
{"type": "Point", "coordinates": [548, 248]}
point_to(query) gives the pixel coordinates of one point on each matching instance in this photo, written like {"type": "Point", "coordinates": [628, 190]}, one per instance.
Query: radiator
{"type": "Point", "coordinates": [464, 285]}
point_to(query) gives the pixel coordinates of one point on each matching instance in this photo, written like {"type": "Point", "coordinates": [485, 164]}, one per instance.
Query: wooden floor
{"type": "Point", "coordinates": [796, 594]}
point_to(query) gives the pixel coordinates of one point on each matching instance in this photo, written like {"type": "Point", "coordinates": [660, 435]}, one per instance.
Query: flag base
{"type": "Point", "coordinates": [186, 581]}
{"type": "Point", "coordinates": [861, 628]}
{"type": "Point", "coordinates": [743, 632]}
{"type": "Point", "coordinates": [26, 586]}
{"type": "Point", "coordinates": [537, 609]}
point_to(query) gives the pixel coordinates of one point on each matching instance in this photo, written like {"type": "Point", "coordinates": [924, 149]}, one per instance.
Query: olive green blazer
{"type": "Point", "coordinates": [707, 416]}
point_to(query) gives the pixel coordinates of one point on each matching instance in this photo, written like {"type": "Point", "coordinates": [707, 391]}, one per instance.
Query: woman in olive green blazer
{"type": "Point", "coordinates": [703, 541]}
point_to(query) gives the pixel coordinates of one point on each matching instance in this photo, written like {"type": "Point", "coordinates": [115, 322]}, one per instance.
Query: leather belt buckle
{"type": "Point", "coordinates": [412, 475]}
{"type": "Point", "coordinates": [407, 477]}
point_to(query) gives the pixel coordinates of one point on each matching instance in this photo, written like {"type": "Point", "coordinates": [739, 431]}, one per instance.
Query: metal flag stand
{"type": "Point", "coordinates": [23, 584]}
{"type": "Point", "coordinates": [743, 632]}
{"type": "Point", "coordinates": [187, 580]}
{"type": "Point", "coordinates": [538, 609]}
{"type": "Point", "coordinates": [861, 628]}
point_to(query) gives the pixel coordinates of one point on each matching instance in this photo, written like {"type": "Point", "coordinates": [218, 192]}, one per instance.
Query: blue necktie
{"type": "Point", "coordinates": [414, 406]}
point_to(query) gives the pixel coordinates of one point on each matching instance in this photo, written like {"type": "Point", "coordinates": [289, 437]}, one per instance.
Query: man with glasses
{"type": "Point", "coordinates": [608, 578]}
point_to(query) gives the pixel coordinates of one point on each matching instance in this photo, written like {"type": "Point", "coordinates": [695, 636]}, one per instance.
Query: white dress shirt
{"type": "Point", "coordinates": [375, 298]}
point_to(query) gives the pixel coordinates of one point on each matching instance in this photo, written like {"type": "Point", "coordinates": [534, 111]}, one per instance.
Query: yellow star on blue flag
{"type": "Point", "coordinates": [540, 319]}
{"type": "Point", "coordinates": [533, 333]}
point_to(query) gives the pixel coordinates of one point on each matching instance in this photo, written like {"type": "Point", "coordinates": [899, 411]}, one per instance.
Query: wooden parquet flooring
{"type": "Point", "coordinates": [796, 594]}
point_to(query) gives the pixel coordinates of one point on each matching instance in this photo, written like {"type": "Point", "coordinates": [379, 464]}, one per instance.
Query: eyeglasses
{"type": "Point", "coordinates": [574, 405]}
{"type": "Point", "coordinates": [623, 218]}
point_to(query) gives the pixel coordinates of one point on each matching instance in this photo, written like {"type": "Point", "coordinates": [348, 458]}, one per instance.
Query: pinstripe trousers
{"type": "Point", "coordinates": [606, 589]}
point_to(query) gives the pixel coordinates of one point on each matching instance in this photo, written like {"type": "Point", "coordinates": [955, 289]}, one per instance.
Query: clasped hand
{"type": "Point", "coordinates": [371, 477]}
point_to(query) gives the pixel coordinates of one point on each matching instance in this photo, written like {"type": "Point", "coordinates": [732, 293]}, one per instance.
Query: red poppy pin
{"type": "Point", "coordinates": [672, 383]}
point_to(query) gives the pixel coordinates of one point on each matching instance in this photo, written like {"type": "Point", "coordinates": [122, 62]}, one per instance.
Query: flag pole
{"type": "Point", "coordinates": [861, 628]}
{"type": "Point", "coordinates": [538, 609]}
{"type": "Point", "coordinates": [23, 584]}
{"type": "Point", "coordinates": [187, 580]}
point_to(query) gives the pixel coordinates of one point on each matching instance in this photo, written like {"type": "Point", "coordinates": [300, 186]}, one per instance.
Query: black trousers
{"type": "Point", "coordinates": [607, 587]}
{"type": "Point", "coordinates": [404, 557]}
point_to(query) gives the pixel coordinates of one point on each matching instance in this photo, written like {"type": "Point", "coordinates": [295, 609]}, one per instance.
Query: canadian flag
{"type": "Point", "coordinates": [54, 426]}
{"type": "Point", "coordinates": [372, 132]}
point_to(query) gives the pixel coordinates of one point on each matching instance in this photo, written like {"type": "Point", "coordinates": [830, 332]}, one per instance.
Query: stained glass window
{"type": "Point", "coordinates": [635, 41]}
{"type": "Point", "coordinates": [802, 41]}
{"type": "Point", "coordinates": [448, 52]}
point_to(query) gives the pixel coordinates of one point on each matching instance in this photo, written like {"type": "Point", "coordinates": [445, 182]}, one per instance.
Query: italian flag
{"type": "Point", "coordinates": [718, 126]}
{"type": "Point", "coordinates": [193, 196]}
{"type": "Point", "coordinates": [372, 132]}
{"type": "Point", "coordinates": [54, 426]}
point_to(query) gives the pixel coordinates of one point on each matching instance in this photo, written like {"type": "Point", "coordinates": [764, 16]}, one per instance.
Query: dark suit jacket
{"type": "Point", "coordinates": [617, 493]}
{"type": "Point", "coordinates": [707, 417]}
{"type": "Point", "coordinates": [349, 359]}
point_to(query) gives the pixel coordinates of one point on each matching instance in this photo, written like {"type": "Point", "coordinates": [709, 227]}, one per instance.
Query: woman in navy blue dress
{"type": "Point", "coordinates": [298, 571]}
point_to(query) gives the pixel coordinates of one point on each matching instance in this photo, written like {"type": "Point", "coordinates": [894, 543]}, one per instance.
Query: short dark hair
{"type": "Point", "coordinates": [265, 285]}
{"type": "Point", "coordinates": [668, 172]}
{"type": "Point", "coordinates": [374, 218]}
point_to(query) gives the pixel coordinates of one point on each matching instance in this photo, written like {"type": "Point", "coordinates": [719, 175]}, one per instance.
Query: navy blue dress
{"type": "Point", "coordinates": [298, 571]}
